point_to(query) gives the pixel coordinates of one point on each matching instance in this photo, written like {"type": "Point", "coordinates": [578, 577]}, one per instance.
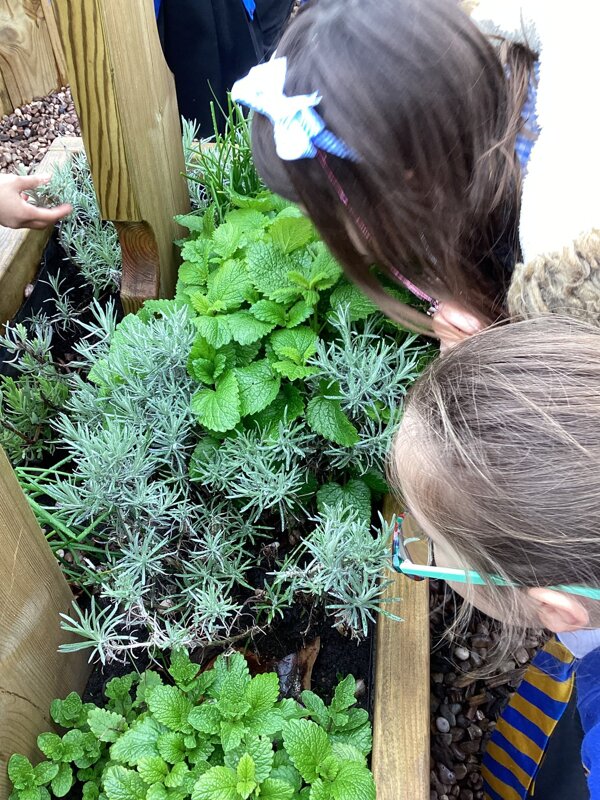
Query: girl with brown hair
{"type": "Point", "coordinates": [498, 460]}
{"type": "Point", "coordinates": [427, 183]}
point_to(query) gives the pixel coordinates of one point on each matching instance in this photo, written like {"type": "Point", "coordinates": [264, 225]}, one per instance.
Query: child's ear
{"type": "Point", "coordinates": [453, 322]}
{"type": "Point", "coordinates": [558, 611]}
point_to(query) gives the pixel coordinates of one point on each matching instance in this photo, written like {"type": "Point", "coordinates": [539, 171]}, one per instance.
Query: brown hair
{"type": "Point", "coordinates": [499, 452]}
{"type": "Point", "coordinates": [421, 95]}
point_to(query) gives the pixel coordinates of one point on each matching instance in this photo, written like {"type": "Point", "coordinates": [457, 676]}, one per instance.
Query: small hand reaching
{"type": "Point", "coordinates": [17, 212]}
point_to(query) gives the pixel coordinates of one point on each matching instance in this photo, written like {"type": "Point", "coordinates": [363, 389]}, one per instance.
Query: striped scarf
{"type": "Point", "coordinates": [517, 745]}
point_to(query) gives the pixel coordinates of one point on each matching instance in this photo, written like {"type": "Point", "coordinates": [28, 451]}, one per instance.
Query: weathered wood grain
{"type": "Point", "coordinates": [29, 65]}
{"type": "Point", "coordinates": [21, 250]}
{"type": "Point", "coordinates": [401, 738]}
{"type": "Point", "coordinates": [33, 592]}
{"type": "Point", "coordinates": [125, 98]}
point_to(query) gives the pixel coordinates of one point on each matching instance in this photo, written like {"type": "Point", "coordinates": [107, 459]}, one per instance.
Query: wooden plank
{"type": "Point", "coordinates": [125, 98]}
{"type": "Point", "coordinates": [6, 106]}
{"type": "Point", "coordinates": [21, 250]}
{"type": "Point", "coordinates": [33, 592]}
{"type": "Point", "coordinates": [59, 56]}
{"type": "Point", "coordinates": [27, 60]}
{"type": "Point", "coordinates": [401, 728]}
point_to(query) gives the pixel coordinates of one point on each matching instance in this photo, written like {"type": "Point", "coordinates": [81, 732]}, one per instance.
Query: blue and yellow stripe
{"type": "Point", "coordinates": [518, 743]}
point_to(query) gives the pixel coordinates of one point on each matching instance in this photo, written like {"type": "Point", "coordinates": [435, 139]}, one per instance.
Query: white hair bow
{"type": "Point", "coordinates": [298, 130]}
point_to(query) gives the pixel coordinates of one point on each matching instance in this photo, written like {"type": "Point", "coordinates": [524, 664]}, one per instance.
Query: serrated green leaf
{"type": "Point", "coordinates": [219, 783]}
{"type": "Point", "coordinates": [324, 271]}
{"type": "Point", "coordinates": [219, 409]}
{"type": "Point", "coordinates": [352, 782]}
{"type": "Point", "coordinates": [140, 741]}
{"type": "Point", "coordinates": [356, 731]}
{"type": "Point", "coordinates": [153, 769]}
{"type": "Point", "coordinates": [307, 746]}
{"type": "Point", "coordinates": [193, 222]}
{"type": "Point", "coordinates": [258, 386]}
{"type": "Point", "coordinates": [376, 481]}
{"type": "Point", "coordinates": [298, 314]}
{"type": "Point", "coordinates": [182, 669]}
{"type": "Point", "coordinates": [171, 747]}
{"type": "Point", "coordinates": [268, 723]}
{"type": "Point", "coordinates": [291, 230]}
{"type": "Point", "coordinates": [44, 772]}
{"type": "Point", "coordinates": [227, 239]}
{"type": "Point", "coordinates": [314, 705]}
{"type": "Point", "coordinates": [228, 286]}
{"type": "Point", "coordinates": [148, 681]}
{"type": "Point", "coordinates": [119, 688]}
{"type": "Point", "coordinates": [177, 775]}
{"type": "Point", "coordinates": [33, 793]}
{"type": "Point", "coordinates": [62, 781]}
{"type": "Point", "coordinates": [194, 273]}
{"type": "Point", "coordinates": [269, 268]}
{"type": "Point", "coordinates": [245, 329]}
{"type": "Point", "coordinates": [246, 776]}
{"type": "Point", "coordinates": [215, 330]}
{"type": "Point", "coordinates": [359, 305]}
{"type": "Point", "coordinates": [348, 752]}
{"type": "Point", "coordinates": [90, 791]}
{"type": "Point", "coordinates": [260, 749]}
{"type": "Point", "coordinates": [157, 791]}
{"type": "Point", "coordinates": [288, 406]}
{"type": "Point", "coordinates": [269, 311]}
{"type": "Point", "coordinates": [206, 718]}
{"type": "Point", "coordinates": [123, 784]}
{"type": "Point", "coordinates": [288, 774]}
{"type": "Point", "coordinates": [247, 220]}
{"type": "Point", "coordinates": [293, 372]}
{"type": "Point", "coordinates": [170, 707]}
{"type": "Point", "coordinates": [320, 790]}
{"type": "Point", "coordinates": [274, 789]}
{"type": "Point", "coordinates": [326, 417]}
{"type": "Point", "coordinates": [344, 695]}
{"type": "Point", "coordinates": [296, 344]}
{"type": "Point", "coordinates": [231, 733]}
{"type": "Point", "coordinates": [263, 691]}
{"type": "Point", "coordinates": [107, 726]}
{"type": "Point", "coordinates": [68, 712]}
{"type": "Point", "coordinates": [51, 746]}
{"type": "Point", "coordinates": [74, 745]}
{"type": "Point", "coordinates": [355, 494]}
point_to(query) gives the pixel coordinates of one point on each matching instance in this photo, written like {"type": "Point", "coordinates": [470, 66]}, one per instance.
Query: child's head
{"type": "Point", "coordinates": [498, 459]}
{"type": "Point", "coordinates": [420, 94]}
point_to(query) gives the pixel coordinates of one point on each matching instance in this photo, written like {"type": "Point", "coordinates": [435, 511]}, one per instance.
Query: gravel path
{"type": "Point", "coordinates": [27, 133]}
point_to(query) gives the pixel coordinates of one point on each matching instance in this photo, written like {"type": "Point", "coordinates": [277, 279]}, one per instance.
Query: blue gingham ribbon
{"type": "Point", "coordinates": [298, 130]}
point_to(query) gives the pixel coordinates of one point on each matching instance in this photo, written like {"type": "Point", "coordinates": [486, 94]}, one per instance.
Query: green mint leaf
{"type": "Point", "coordinates": [106, 725]}
{"type": "Point", "coordinates": [118, 691]}
{"type": "Point", "coordinates": [376, 481]}
{"type": "Point", "coordinates": [232, 732]}
{"type": "Point", "coordinates": [219, 409]}
{"type": "Point", "coordinates": [224, 666]}
{"type": "Point", "coordinates": [219, 783]}
{"type": "Point", "coordinates": [92, 749]}
{"type": "Point", "coordinates": [359, 305]}
{"type": "Point", "coordinates": [74, 745]}
{"type": "Point", "coordinates": [345, 692]}
{"type": "Point", "coordinates": [68, 713]}
{"type": "Point", "coordinates": [313, 703]}
{"type": "Point", "coordinates": [227, 239]}
{"type": "Point", "coordinates": [205, 718]}
{"type": "Point", "coordinates": [328, 768]}
{"type": "Point", "coordinates": [232, 702]}
{"type": "Point", "coordinates": [171, 707]}
{"type": "Point", "coordinates": [355, 494]}
{"type": "Point", "coordinates": [260, 749]}
{"type": "Point", "coordinates": [291, 230]}
{"type": "Point", "coordinates": [183, 670]}
{"type": "Point", "coordinates": [193, 222]}
{"type": "Point", "coordinates": [287, 406]}
{"type": "Point", "coordinates": [158, 791]}
{"type": "Point", "coordinates": [177, 775]}
{"type": "Point", "coordinates": [324, 272]}
{"type": "Point", "coordinates": [193, 273]}
{"type": "Point", "coordinates": [51, 746]}
{"type": "Point", "coordinates": [307, 746]}
{"type": "Point", "coordinates": [196, 251]}
{"type": "Point", "coordinates": [326, 417]}
{"type": "Point", "coordinates": [171, 747]}
{"type": "Point", "coordinates": [153, 769]}
{"type": "Point", "coordinates": [296, 344]}
{"type": "Point", "coordinates": [44, 772]}
{"type": "Point", "coordinates": [347, 752]}
{"type": "Point", "coordinates": [62, 781]}
{"type": "Point", "coordinates": [258, 386]}
{"type": "Point", "coordinates": [298, 314]}
{"type": "Point", "coordinates": [292, 371]}
{"type": "Point", "coordinates": [90, 791]}
{"type": "Point", "coordinates": [140, 741]}
{"type": "Point", "coordinates": [246, 776]}
{"type": "Point", "coordinates": [288, 774]}
{"type": "Point", "coordinates": [148, 681]}
{"type": "Point", "coordinates": [352, 782]}
{"type": "Point", "coordinates": [263, 202]}
{"type": "Point", "coordinates": [356, 731]}
{"type": "Point", "coordinates": [215, 330]}
{"type": "Point", "coordinates": [123, 784]}
{"type": "Point", "coordinates": [199, 301]}
{"type": "Point", "coordinates": [269, 268]}
{"type": "Point", "coordinates": [269, 311]}
{"type": "Point", "coordinates": [245, 329]}
{"type": "Point", "coordinates": [268, 723]}
{"type": "Point", "coordinates": [263, 691]}
{"type": "Point", "coordinates": [274, 789]}
{"type": "Point", "coordinates": [247, 220]}
{"type": "Point", "coordinates": [228, 285]}
{"type": "Point", "coordinates": [320, 790]}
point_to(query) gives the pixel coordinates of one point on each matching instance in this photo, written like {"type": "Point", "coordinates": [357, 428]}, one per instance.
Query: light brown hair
{"type": "Point", "coordinates": [422, 96]}
{"type": "Point", "coordinates": [499, 451]}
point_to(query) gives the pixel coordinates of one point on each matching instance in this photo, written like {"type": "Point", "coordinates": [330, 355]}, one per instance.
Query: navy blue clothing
{"type": "Point", "coordinates": [587, 683]}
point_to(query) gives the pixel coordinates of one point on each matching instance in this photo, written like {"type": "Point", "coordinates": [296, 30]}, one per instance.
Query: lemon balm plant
{"type": "Point", "coordinates": [214, 735]}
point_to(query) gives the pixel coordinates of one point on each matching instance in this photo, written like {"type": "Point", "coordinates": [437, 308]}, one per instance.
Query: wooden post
{"type": "Point", "coordinates": [33, 592]}
{"type": "Point", "coordinates": [125, 98]}
{"type": "Point", "coordinates": [401, 733]}
{"type": "Point", "coordinates": [31, 61]}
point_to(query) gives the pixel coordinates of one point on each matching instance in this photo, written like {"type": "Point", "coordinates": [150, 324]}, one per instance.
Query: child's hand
{"type": "Point", "coordinates": [16, 212]}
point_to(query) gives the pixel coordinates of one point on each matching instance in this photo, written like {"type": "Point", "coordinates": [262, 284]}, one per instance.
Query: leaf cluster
{"type": "Point", "coordinates": [219, 734]}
